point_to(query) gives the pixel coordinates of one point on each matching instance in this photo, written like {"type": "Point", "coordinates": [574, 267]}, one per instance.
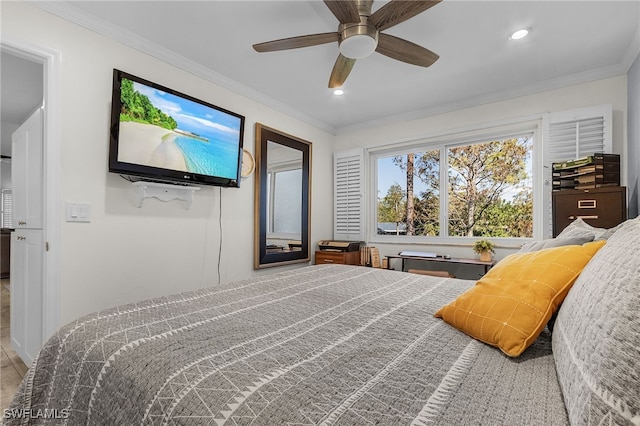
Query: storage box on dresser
{"type": "Point", "coordinates": [600, 207]}
{"type": "Point", "coordinates": [338, 257]}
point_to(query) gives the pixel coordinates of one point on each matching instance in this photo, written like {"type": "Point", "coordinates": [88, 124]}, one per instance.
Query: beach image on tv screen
{"type": "Point", "coordinates": [160, 129]}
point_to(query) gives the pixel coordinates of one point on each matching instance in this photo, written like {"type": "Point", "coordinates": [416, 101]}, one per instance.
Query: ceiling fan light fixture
{"type": "Point", "coordinates": [338, 92]}
{"type": "Point", "coordinates": [517, 35]}
{"type": "Point", "coordinates": [358, 46]}
{"type": "Point", "coordinates": [359, 40]}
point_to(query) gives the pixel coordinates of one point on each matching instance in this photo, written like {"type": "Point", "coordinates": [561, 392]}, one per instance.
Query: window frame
{"type": "Point", "coordinates": [442, 142]}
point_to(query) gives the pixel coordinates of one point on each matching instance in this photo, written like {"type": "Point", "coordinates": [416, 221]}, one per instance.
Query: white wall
{"type": "Point", "coordinates": [607, 91]}
{"type": "Point", "coordinates": [633, 99]}
{"type": "Point", "coordinates": [128, 253]}
{"type": "Point", "coordinates": [5, 174]}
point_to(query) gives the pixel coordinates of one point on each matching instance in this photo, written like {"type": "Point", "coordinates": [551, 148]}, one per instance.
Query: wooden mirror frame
{"type": "Point", "coordinates": [261, 258]}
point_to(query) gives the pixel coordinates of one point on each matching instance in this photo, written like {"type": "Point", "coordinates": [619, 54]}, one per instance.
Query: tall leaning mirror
{"type": "Point", "coordinates": [282, 194]}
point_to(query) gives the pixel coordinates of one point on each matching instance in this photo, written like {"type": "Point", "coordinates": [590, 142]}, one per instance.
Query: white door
{"type": "Point", "coordinates": [27, 240]}
{"type": "Point", "coordinates": [26, 292]}
{"type": "Point", "coordinates": [26, 173]}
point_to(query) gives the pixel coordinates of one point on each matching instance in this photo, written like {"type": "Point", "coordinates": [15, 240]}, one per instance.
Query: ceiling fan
{"type": "Point", "coordinates": [360, 34]}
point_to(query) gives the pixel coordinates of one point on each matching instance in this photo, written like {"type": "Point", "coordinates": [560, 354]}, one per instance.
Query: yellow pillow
{"type": "Point", "coordinates": [510, 306]}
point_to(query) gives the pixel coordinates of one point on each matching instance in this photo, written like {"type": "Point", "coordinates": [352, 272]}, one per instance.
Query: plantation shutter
{"type": "Point", "coordinates": [574, 134]}
{"type": "Point", "coordinates": [7, 208]}
{"type": "Point", "coordinates": [348, 193]}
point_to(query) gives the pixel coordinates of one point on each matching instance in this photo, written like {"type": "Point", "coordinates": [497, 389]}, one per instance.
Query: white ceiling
{"type": "Point", "coordinates": [570, 42]}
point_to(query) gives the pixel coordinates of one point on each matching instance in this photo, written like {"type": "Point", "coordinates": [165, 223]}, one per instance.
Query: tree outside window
{"type": "Point", "coordinates": [489, 190]}
{"type": "Point", "coordinates": [392, 209]}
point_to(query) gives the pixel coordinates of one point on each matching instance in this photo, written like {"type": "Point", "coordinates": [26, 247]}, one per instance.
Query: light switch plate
{"type": "Point", "coordinates": [78, 212]}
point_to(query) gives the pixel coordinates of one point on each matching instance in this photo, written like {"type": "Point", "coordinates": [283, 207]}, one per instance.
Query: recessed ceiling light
{"type": "Point", "coordinates": [519, 34]}
{"type": "Point", "coordinates": [338, 92]}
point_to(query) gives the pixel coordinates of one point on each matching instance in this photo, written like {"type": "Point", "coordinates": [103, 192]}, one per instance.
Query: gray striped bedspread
{"type": "Point", "coordinates": [319, 345]}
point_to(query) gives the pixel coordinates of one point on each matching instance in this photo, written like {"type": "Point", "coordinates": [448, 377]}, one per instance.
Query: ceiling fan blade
{"type": "Point", "coordinates": [397, 11]}
{"type": "Point", "coordinates": [296, 42]}
{"type": "Point", "coordinates": [341, 70]}
{"type": "Point", "coordinates": [345, 11]}
{"type": "Point", "coordinates": [405, 51]}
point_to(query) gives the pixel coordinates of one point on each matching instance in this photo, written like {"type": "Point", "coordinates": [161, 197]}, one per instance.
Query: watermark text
{"type": "Point", "coordinates": [47, 413]}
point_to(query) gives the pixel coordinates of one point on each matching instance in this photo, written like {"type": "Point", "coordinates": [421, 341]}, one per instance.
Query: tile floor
{"type": "Point", "coordinates": [12, 369]}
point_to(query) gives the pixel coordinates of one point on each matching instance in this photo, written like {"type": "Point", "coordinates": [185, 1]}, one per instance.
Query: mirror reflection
{"type": "Point", "coordinates": [282, 198]}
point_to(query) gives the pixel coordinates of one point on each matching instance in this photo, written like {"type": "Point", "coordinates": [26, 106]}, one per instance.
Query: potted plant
{"type": "Point", "coordinates": [484, 248]}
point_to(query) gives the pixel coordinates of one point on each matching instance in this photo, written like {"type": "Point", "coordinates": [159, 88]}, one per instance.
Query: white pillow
{"type": "Point", "coordinates": [596, 337]}
{"type": "Point", "coordinates": [555, 242]}
{"type": "Point", "coordinates": [580, 228]}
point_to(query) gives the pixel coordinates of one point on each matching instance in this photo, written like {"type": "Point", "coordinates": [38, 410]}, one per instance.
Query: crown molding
{"type": "Point", "coordinates": [66, 11]}
{"type": "Point", "coordinates": [531, 89]}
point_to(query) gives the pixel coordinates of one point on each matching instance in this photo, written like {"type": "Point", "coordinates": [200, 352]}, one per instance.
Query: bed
{"type": "Point", "coordinates": [325, 344]}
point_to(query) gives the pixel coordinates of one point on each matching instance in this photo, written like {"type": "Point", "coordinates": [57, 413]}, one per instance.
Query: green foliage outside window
{"type": "Point", "coordinates": [489, 191]}
{"type": "Point", "coordinates": [393, 207]}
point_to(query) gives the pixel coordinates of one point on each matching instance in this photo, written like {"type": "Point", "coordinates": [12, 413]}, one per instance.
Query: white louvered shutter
{"type": "Point", "coordinates": [7, 208]}
{"type": "Point", "coordinates": [574, 134]}
{"type": "Point", "coordinates": [578, 137]}
{"type": "Point", "coordinates": [348, 190]}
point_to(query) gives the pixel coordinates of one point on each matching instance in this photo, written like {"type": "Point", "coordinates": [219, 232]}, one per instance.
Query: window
{"type": "Point", "coordinates": [7, 209]}
{"type": "Point", "coordinates": [284, 191]}
{"type": "Point", "coordinates": [443, 186]}
{"type": "Point", "coordinates": [409, 187]}
{"type": "Point", "coordinates": [481, 187]}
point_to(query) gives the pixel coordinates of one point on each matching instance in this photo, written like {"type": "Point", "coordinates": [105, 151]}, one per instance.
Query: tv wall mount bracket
{"type": "Point", "coordinates": [163, 192]}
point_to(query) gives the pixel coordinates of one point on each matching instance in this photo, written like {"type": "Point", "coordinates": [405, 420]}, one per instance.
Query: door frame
{"type": "Point", "coordinates": [51, 256]}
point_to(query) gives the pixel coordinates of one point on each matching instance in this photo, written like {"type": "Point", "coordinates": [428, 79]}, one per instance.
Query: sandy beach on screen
{"type": "Point", "coordinates": [149, 145]}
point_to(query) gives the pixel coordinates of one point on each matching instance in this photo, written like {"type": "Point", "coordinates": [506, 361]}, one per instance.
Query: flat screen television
{"type": "Point", "coordinates": [160, 134]}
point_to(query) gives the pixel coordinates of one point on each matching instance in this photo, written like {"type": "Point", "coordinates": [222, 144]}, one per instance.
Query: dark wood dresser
{"type": "Point", "coordinates": [338, 257]}
{"type": "Point", "coordinates": [599, 207]}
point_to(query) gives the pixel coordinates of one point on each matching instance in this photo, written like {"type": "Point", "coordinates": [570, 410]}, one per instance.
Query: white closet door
{"type": "Point", "coordinates": [26, 293]}
{"type": "Point", "coordinates": [26, 173]}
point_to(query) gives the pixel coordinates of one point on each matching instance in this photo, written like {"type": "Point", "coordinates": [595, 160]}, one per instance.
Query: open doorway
{"type": "Point", "coordinates": [29, 79]}
{"type": "Point", "coordinates": [22, 84]}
